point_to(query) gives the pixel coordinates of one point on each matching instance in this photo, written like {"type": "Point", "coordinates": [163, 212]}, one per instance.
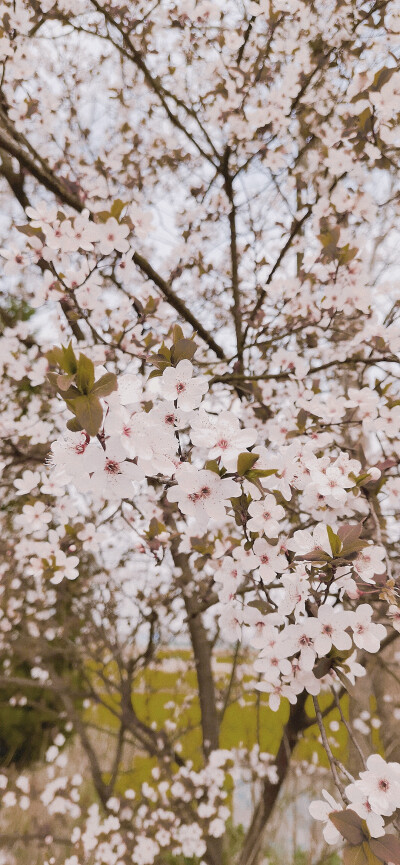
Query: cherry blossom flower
{"type": "Point", "coordinates": [224, 439]}
{"type": "Point", "coordinates": [321, 810]}
{"type": "Point", "coordinates": [113, 475]}
{"type": "Point", "coordinates": [27, 482]}
{"type": "Point", "coordinates": [201, 493]}
{"type": "Point", "coordinates": [179, 385]}
{"type": "Point", "coordinates": [370, 561]}
{"type": "Point", "coordinates": [359, 802]}
{"type": "Point", "coordinates": [112, 235]}
{"type": "Point", "coordinates": [381, 784]}
{"type": "Point", "coordinates": [296, 591]}
{"type": "Point", "coordinates": [277, 691]}
{"type": "Point", "coordinates": [230, 621]}
{"type": "Point", "coordinates": [65, 566]}
{"type": "Point", "coordinates": [303, 541]}
{"type": "Point", "coordinates": [271, 561]}
{"type": "Point", "coordinates": [333, 624]}
{"type": "Point", "coordinates": [394, 615]}
{"type": "Point", "coordinates": [366, 634]}
{"type": "Point", "coordinates": [75, 453]}
{"type": "Point", "coordinates": [264, 516]}
{"type": "Point", "coordinates": [34, 518]}
{"type": "Point", "coordinates": [301, 638]}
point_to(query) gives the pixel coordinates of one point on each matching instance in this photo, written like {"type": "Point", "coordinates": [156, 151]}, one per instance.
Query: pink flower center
{"type": "Point", "coordinates": [112, 467]}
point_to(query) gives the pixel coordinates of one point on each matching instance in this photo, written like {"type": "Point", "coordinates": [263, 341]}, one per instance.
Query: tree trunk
{"type": "Point", "coordinates": [252, 846]}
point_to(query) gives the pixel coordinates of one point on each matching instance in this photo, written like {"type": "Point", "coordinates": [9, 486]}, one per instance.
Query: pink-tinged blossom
{"type": "Point", "coordinates": [366, 634]}
{"type": "Point", "coordinates": [270, 560]}
{"type": "Point", "coordinates": [370, 561]}
{"type": "Point", "coordinates": [15, 259]}
{"type": "Point", "coordinates": [333, 624]}
{"type": "Point", "coordinates": [301, 638]}
{"type": "Point", "coordinates": [271, 664]}
{"type": "Point", "coordinates": [263, 627]}
{"type": "Point", "coordinates": [230, 575]}
{"type": "Point", "coordinates": [201, 493]}
{"type": "Point", "coordinates": [359, 802]}
{"type": "Point", "coordinates": [394, 616]}
{"type": "Point", "coordinates": [145, 851]}
{"type": "Point", "coordinates": [224, 439]}
{"type": "Point", "coordinates": [277, 691]}
{"type": "Point", "coordinates": [264, 516]}
{"type": "Point", "coordinates": [191, 840]}
{"type": "Point", "coordinates": [75, 454]}
{"type": "Point", "coordinates": [381, 783]}
{"type": "Point", "coordinates": [321, 810]}
{"type": "Point", "coordinates": [178, 384]}
{"type": "Point", "coordinates": [111, 235]}
{"type": "Point", "coordinates": [246, 557]}
{"type": "Point", "coordinates": [34, 518]}
{"type": "Point", "coordinates": [304, 541]}
{"type": "Point", "coordinates": [27, 482]}
{"type": "Point", "coordinates": [150, 436]}
{"type": "Point", "coordinates": [113, 475]}
{"type": "Point", "coordinates": [65, 567]}
{"type": "Point", "coordinates": [230, 621]}
{"type": "Point", "coordinates": [296, 591]}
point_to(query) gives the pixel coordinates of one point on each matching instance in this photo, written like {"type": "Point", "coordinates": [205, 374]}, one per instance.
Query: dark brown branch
{"type": "Point", "coordinates": [235, 308]}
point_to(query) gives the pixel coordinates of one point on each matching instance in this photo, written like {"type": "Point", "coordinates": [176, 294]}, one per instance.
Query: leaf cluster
{"type": "Point", "coordinates": [362, 849]}
{"type": "Point", "coordinates": [77, 386]}
{"type": "Point", "coordinates": [181, 349]}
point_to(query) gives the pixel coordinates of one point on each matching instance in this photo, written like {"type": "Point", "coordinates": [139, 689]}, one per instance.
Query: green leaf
{"type": "Point", "coordinates": [64, 381]}
{"type": "Point", "coordinates": [382, 77]}
{"type": "Point", "coordinates": [386, 848]}
{"type": "Point", "coordinates": [74, 425]}
{"type": "Point", "coordinates": [349, 825]}
{"type": "Point", "coordinates": [183, 349]}
{"type": "Point", "coordinates": [355, 856]}
{"type": "Point", "coordinates": [301, 419]}
{"type": "Point", "coordinates": [69, 363]}
{"type": "Point", "coordinates": [117, 208]}
{"type": "Point", "coordinates": [55, 356]}
{"type": "Point", "coordinates": [212, 466]}
{"type": "Point", "coordinates": [245, 462]}
{"type": "Point", "coordinates": [335, 542]}
{"type": "Point", "coordinates": [322, 667]}
{"type": "Point", "coordinates": [347, 253]}
{"type": "Point", "coordinates": [105, 385]}
{"type": "Point", "coordinates": [348, 534]}
{"type": "Point", "coordinates": [89, 412]}
{"type": "Point", "coordinates": [155, 528]}
{"type": "Point", "coordinates": [261, 473]}
{"type": "Point", "coordinates": [177, 333]}
{"type": "Point", "coordinates": [85, 374]}
{"type": "Point", "coordinates": [70, 393]}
